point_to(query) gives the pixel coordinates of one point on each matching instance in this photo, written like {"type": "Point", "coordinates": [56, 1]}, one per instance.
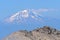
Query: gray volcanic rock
{"type": "Point", "coordinates": [45, 33]}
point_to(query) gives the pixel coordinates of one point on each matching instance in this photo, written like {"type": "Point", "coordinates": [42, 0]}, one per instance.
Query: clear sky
{"type": "Point", "coordinates": [10, 7]}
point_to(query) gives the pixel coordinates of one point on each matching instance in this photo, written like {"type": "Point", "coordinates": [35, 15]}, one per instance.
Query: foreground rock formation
{"type": "Point", "coordinates": [45, 33]}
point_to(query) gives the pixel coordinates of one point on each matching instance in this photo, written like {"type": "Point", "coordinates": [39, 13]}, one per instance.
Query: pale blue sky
{"type": "Point", "coordinates": [9, 7]}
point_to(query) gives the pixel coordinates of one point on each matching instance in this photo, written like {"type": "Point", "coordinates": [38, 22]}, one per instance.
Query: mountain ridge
{"type": "Point", "coordinates": [44, 33]}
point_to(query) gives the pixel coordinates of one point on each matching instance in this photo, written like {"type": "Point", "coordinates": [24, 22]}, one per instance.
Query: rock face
{"type": "Point", "coordinates": [45, 33]}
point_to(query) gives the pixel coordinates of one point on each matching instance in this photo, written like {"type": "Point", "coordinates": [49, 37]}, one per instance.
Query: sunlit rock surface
{"type": "Point", "coordinates": [45, 33]}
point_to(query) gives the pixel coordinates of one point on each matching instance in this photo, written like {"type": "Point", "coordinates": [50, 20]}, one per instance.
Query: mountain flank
{"type": "Point", "coordinates": [44, 33]}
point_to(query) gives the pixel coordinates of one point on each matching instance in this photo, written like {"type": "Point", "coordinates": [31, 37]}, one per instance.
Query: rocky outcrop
{"type": "Point", "coordinates": [45, 33]}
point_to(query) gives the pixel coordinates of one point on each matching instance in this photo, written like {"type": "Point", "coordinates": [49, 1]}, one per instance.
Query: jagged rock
{"type": "Point", "coordinates": [45, 33]}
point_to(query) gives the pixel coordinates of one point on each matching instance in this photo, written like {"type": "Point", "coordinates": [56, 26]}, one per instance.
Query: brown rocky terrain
{"type": "Point", "coordinates": [45, 33]}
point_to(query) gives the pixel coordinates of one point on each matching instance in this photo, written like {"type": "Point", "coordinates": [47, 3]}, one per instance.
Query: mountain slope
{"type": "Point", "coordinates": [45, 33]}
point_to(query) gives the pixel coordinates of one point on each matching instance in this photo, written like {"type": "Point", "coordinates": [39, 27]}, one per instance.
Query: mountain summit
{"type": "Point", "coordinates": [25, 15]}
{"type": "Point", "coordinates": [45, 33]}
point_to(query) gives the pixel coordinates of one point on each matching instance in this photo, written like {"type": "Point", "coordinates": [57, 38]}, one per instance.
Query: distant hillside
{"type": "Point", "coordinates": [45, 33]}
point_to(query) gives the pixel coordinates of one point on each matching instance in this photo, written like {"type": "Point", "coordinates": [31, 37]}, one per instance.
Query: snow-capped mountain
{"type": "Point", "coordinates": [26, 14]}
{"type": "Point", "coordinates": [32, 16]}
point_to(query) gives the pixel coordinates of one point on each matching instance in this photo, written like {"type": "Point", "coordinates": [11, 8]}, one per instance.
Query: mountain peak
{"type": "Point", "coordinates": [25, 14]}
